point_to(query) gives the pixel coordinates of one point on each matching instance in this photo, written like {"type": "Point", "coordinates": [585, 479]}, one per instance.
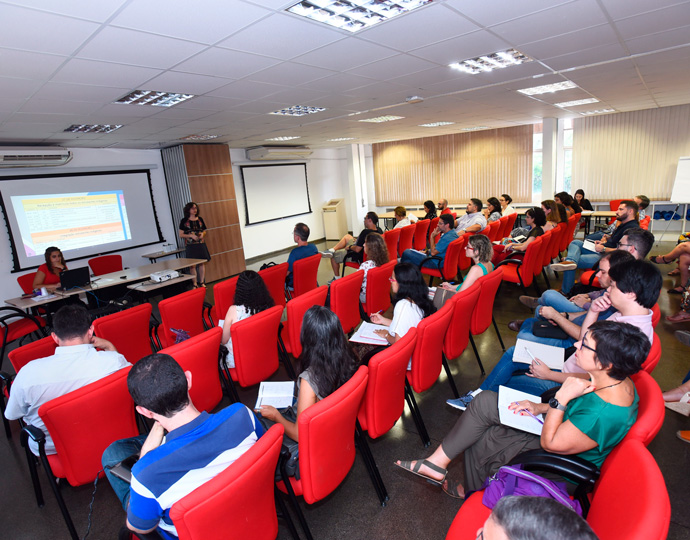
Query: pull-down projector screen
{"type": "Point", "coordinates": [83, 214]}
{"type": "Point", "coordinates": [275, 191]}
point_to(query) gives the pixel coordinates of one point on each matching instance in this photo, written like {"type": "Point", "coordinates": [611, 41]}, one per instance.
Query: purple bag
{"type": "Point", "coordinates": [512, 480]}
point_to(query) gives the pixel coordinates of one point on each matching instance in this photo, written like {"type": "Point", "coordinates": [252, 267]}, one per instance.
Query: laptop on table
{"type": "Point", "coordinates": [79, 277]}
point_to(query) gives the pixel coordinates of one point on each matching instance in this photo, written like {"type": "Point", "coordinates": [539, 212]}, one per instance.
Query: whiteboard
{"type": "Point", "coordinates": [681, 185]}
{"type": "Point", "coordinates": [274, 191]}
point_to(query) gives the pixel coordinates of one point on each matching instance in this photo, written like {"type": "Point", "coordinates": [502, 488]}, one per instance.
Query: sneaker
{"type": "Point", "coordinates": [463, 401]}
{"type": "Point", "coordinates": [333, 279]}
{"type": "Point", "coordinates": [328, 254]}
{"type": "Point", "coordinates": [683, 435]}
{"type": "Point", "coordinates": [563, 266]}
{"type": "Point", "coordinates": [529, 301]}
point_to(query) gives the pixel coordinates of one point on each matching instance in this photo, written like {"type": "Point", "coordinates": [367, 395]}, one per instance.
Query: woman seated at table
{"type": "Point", "coordinates": [586, 418]}
{"type": "Point", "coordinates": [430, 209]}
{"type": "Point", "coordinates": [48, 274]}
{"type": "Point", "coordinates": [536, 219]}
{"type": "Point", "coordinates": [582, 201]}
{"type": "Point", "coordinates": [478, 249]}
{"type": "Point", "coordinates": [570, 204]}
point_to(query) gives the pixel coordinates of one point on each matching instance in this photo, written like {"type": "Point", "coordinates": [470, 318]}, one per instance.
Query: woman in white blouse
{"type": "Point", "coordinates": [506, 208]}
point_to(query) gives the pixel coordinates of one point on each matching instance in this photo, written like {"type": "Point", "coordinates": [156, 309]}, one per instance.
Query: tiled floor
{"type": "Point", "coordinates": [416, 509]}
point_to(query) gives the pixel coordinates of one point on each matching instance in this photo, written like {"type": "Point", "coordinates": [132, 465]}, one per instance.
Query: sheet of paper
{"type": "Point", "coordinates": [589, 245]}
{"type": "Point", "coordinates": [43, 297]}
{"type": "Point", "coordinates": [553, 357]}
{"type": "Point", "coordinates": [280, 394]}
{"type": "Point", "coordinates": [506, 396]}
{"type": "Point", "coordinates": [365, 334]}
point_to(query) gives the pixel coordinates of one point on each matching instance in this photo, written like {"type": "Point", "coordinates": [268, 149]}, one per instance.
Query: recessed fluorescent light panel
{"type": "Point", "coordinates": [598, 111]}
{"type": "Point", "coordinates": [489, 62]}
{"type": "Point", "coordinates": [437, 124]}
{"type": "Point", "coordinates": [341, 139]}
{"type": "Point", "coordinates": [282, 138]}
{"type": "Point", "coordinates": [475, 128]}
{"type": "Point", "coordinates": [199, 137]}
{"type": "Point", "coordinates": [564, 104]}
{"type": "Point", "coordinates": [298, 110]}
{"type": "Point", "coordinates": [379, 119]}
{"type": "Point", "coordinates": [92, 128]}
{"type": "Point", "coordinates": [151, 97]}
{"type": "Point", "coordinates": [545, 89]}
{"type": "Point", "coordinates": [353, 15]}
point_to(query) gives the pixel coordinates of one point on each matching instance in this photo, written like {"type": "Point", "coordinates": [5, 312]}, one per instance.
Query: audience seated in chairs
{"type": "Point", "coordinates": [478, 249]}
{"type": "Point", "coordinates": [473, 221]}
{"type": "Point", "coordinates": [351, 248]}
{"type": "Point", "coordinates": [304, 249]}
{"type": "Point", "coordinates": [437, 247]}
{"type": "Point", "coordinates": [536, 219]}
{"type": "Point", "coordinates": [377, 255]}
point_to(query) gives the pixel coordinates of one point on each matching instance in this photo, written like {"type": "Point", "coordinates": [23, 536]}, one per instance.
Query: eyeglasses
{"type": "Point", "coordinates": [480, 535]}
{"type": "Point", "coordinates": [621, 244]}
{"type": "Point", "coordinates": [582, 344]}
{"type": "Point", "coordinates": [392, 279]}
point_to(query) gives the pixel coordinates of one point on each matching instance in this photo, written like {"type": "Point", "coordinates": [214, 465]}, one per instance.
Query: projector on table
{"type": "Point", "coordinates": [164, 275]}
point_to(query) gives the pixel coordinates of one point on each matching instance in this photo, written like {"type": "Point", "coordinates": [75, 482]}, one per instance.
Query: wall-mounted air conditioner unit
{"type": "Point", "coordinates": [278, 153]}
{"type": "Point", "coordinates": [47, 156]}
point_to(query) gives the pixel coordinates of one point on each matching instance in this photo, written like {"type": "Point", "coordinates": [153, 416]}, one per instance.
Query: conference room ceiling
{"type": "Point", "coordinates": [65, 63]}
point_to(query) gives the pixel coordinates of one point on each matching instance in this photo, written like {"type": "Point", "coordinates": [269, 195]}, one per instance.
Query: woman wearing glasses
{"type": "Point", "coordinates": [587, 417]}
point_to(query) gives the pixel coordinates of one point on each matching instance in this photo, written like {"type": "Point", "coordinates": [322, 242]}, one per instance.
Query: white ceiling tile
{"type": "Point", "coordinates": [341, 82]}
{"type": "Point", "coordinates": [584, 58]}
{"type": "Point", "coordinates": [654, 21]}
{"type": "Point", "coordinates": [28, 65]}
{"type": "Point", "coordinates": [217, 20]}
{"type": "Point", "coordinates": [247, 90]}
{"type": "Point", "coordinates": [121, 113]}
{"type": "Point", "coordinates": [583, 39]}
{"type": "Point", "coordinates": [226, 63]}
{"type": "Point", "coordinates": [93, 11]}
{"type": "Point", "coordinates": [395, 66]}
{"type": "Point", "coordinates": [619, 10]}
{"type": "Point", "coordinates": [104, 74]}
{"type": "Point", "coordinates": [291, 74]}
{"type": "Point", "coordinates": [272, 4]}
{"type": "Point", "coordinates": [18, 88]}
{"type": "Point", "coordinates": [462, 48]}
{"type": "Point", "coordinates": [297, 96]}
{"type": "Point", "coordinates": [496, 11]}
{"type": "Point", "coordinates": [177, 114]}
{"type": "Point", "coordinates": [186, 83]}
{"type": "Point", "coordinates": [79, 92]}
{"type": "Point", "coordinates": [46, 33]}
{"type": "Point", "coordinates": [71, 107]}
{"type": "Point", "coordinates": [215, 104]}
{"type": "Point", "coordinates": [10, 104]}
{"type": "Point", "coordinates": [345, 54]}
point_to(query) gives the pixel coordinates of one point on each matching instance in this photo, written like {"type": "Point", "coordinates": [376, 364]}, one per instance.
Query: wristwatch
{"type": "Point", "coordinates": [553, 403]}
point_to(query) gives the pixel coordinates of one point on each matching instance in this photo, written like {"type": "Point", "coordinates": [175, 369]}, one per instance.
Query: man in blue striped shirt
{"type": "Point", "coordinates": [197, 447]}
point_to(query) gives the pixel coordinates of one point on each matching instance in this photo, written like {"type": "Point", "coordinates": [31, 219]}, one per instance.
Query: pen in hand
{"type": "Point", "coordinates": [529, 413]}
{"type": "Point", "coordinates": [532, 356]}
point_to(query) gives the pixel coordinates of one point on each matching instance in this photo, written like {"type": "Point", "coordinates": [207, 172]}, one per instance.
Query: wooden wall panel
{"type": "Point", "coordinates": [229, 259]}
{"type": "Point", "coordinates": [213, 187]}
{"type": "Point", "coordinates": [218, 213]}
{"type": "Point", "coordinates": [205, 159]}
{"type": "Point", "coordinates": [222, 239]}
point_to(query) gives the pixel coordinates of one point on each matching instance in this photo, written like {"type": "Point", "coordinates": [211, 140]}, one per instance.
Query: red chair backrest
{"type": "Point", "coordinates": [651, 409]}
{"type": "Point", "coordinates": [128, 330]}
{"type": "Point", "coordinates": [391, 238]}
{"type": "Point", "coordinates": [433, 224]}
{"type": "Point", "coordinates": [544, 259]}
{"type": "Point", "coordinates": [378, 297]}
{"type": "Point", "coordinates": [245, 488]}
{"type": "Point", "coordinates": [182, 312]}
{"type": "Point", "coordinates": [656, 315]}
{"type": "Point", "coordinates": [26, 282]}
{"type": "Point", "coordinates": [327, 438]}
{"type": "Point", "coordinates": [464, 262]}
{"type": "Point", "coordinates": [427, 358]}
{"type": "Point", "coordinates": [492, 230]}
{"type": "Point", "coordinates": [450, 262]}
{"type": "Point", "coordinates": [105, 264]}
{"type": "Point", "coordinates": [304, 274]}
{"type": "Point", "coordinates": [614, 204]}
{"type": "Point", "coordinates": [255, 346]}
{"type": "Point", "coordinates": [502, 231]}
{"type": "Point", "coordinates": [345, 300]}
{"type": "Point", "coordinates": [644, 222]}
{"type": "Point", "coordinates": [532, 257]}
{"type": "Point", "coordinates": [420, 234]}
{"type": "Point", "coordinates": [406, 236]}
{"type": "Point", "coordinates": [458, 333]}
{"type": "Point", "coordinates": [511, 223]}
{"type": "Point", "coordinates": [559, 231]}
{"type": "Point", "coordinates": [224, 296]}
{"type": "Point", "coordinates": [568, 234]}
{"type": "Point", "coordinates": [653, 356]}
{"type": "Point", "coordinates": [83, 423]}
{"type": "Point", "coordinates": [199, 355]}
{"type": "Point", "coordinates": [631, 506]}
{"type": "Point", "coordinates": [296, 308]}
{"type": "Point", "coordinates": [274, 278]}
{"type": "Point", "coordinates": [484, 308]}
{"type": "Point", "coordinates": [384, 400]}
{"type": "Point", "coordinates": [41, 348]}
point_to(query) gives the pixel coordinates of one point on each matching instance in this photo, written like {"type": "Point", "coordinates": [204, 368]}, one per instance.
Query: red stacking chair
{"type": "Point", "coordinates": [512, 218]}
{"type": "Point", "coordinates": [40, 348]}
{"type": "Point", "coordinates": [427, 360]}
{"type": "Point", "coordinates": [521, 271]}
{"type": "Point", "coordinates": [105, 264]}
{"type": "Point", "coordinates": [656, 315]}
{"type": "Point", "coordinates": [458, 333]}
{"type": "Point", "coordinates": [224, 296]}
{"type": "Point", "coordinates": [255, 348]}
{"type": "Point", "coordinates": [503, 227]}
{"type": "Point", "coordinates": [406, 237]}
{"type": "Point", "coordinates": [345, 300]}
{"type": "Point", "coordinates": [432, 226]}
{"type": "Point", "coordinates": [544, 259]}
{"type": "Point", "coordinates": [391, 238]}
{"type": "Point", "coordinates": [183, 312]}
{"type": "Point", "coordinates": [644, 222]}
{"type": "Point", "coordinates": [326, 445]}
{"type": "Point", "coordinates": [464, 262]}
{"type": "Point", "coordinates": [82, 424]}
{"type": "Point", "coordinates": [613, 206]}
{"type": "Point", "coordinates": [289, 337]}
{"type": "Point", "coordinates": [378, 296]}
{"type": "Point", "coordinates": [15, 324]}
{"type": "Point", "coordinates": [492, 229]}
{"type": "Point", "coordinates": [560, 231]}
{"type": "Point", "coordinates": [654, 355]}
{"type": "Point", "coordinates": [129, 331]}
{"type": "Point", "coordinates": [274, 278]}
{"type": "Point", "coordinates": [199, 355]}
{"type": "Point", "coordinates": [246, 488]}
{"type": "Point", "coordinates": [651, 409]}
{"type": "Point", "coordinates": [483, 313]}
{"type": "Point", "coordinates": [449, 270]}
{"type": "Point", "coordinates": [420, 234]}
{"type": "Point", "coordinates": [26, 282]}
{"type": "Point", "coordinates": [304, 274]}
{"type": "Point", "coordinates": [384, 400]}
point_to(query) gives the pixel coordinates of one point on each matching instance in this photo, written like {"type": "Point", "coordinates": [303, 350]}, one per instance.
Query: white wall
{"type": "Point", "coordinates": [326, 177]}
{"type": "Point", "coordinates": [99, 159]}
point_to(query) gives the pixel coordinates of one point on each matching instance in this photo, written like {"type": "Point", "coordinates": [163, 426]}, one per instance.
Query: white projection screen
{"type": "Point", "coordinates": [83, 214]}
{"type": "Point", "coordinates": [275, 191]}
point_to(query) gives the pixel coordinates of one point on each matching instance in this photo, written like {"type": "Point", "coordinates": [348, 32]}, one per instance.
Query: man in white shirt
{"type": "Point", "coordinates": [76, 363]}
{"type": "Point", "coordinates": [473, 221]}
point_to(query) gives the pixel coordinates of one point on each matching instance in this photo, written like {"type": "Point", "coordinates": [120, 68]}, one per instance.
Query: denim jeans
{"type": "Point", "coordinates": [503, 371]}
{"type": "Point", "coordinates": [580, 256]}
{"type": "Point", "coordinates": [558, 302]}
{"type": "Point", "coordinates": [595, 236]}
{"type": "Point", "coordinates": [115, 453]}
{"type": "Point", "coordinates": [416, 258]}
{"type": "Point", "coordinates": [531, 385]}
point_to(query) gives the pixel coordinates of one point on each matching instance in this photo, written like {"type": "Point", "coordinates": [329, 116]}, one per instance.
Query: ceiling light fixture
{"type": "Point", "coordinates": [437, 124]}
{"type": "Point", "coordinates": [545, 89]}
{"type": "Point", "coordinates": [340, 139]}
{"type": "Point", "coordinates": [283, 138]}
{"type": "Point", "coordinates": [475, 128]}
{"type": "Point", "coordinates": [151, 97]}
{"type": "Point", "coordinates": [379, 119]}
{"type": "Point", "coordinates": [564, 104]}
{"type": "Point", "coordinates": [92, 128]}
{"type": "Point", "coordinates": [298, 110]}
{"type": "Point", "coordinates": [199, 137]}
{"type": "Point", "coordinates": [353, 15]}
{"type": "Point", "coordinates": [598, 111]}
{"type": "Point", "coordinates": [489, 62]}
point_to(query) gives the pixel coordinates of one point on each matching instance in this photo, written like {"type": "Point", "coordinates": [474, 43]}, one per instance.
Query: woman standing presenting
{"type": "Point", "coordinates": [193, 230]}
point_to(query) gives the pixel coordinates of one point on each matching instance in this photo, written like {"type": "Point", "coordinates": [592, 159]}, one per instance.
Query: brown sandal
{"type": "Point", "coordinates": [655, 259]}
{"type": "Point", "coordinates": [450, 487]}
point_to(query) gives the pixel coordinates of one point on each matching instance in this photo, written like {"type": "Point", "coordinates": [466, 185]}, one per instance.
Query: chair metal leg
{"type": "Point", "coordinates": [370, 464]}
{"type": "Point", "coordinates": [476, 353]}
{"type": "Point", "coordinates": [285, 515]}
{"type": "Point", "coordinates": [61, 502]}
{"type": "Point", "coordinates": [498, 334]}
{"type": "Point", "coordinates": [31, 462]}
{"type": "Point", "coordinates": [416, 415]}
{"type": "Point", "coordinates": [294, 502]}
{"type": "Point", "coordinates": [285, 358]}
{"type": "Point", "coordinates": [546, 277]}
{"type": "Point", "coordinates": [536, 286]}
{"type": "Point", "coordinates": [451, 381]}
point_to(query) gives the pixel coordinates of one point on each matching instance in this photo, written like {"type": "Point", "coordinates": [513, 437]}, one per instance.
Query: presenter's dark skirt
{"type": "Point", "coordinates": [197, 251]}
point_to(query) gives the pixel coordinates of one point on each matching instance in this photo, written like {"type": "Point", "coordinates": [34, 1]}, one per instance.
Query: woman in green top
{"type": "Point", "coordinates": [586, 417]}
{"type": "Point", "coordinates": [478, 249]}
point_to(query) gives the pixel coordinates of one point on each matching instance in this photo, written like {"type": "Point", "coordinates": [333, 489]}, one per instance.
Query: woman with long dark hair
{"type": "Point", "coordinates": [377, 255]}
{"type": "Point", "coordinates": [48, 274]}
{"type": "Point", "coordinates": [193, 231]}
{"type": "Point", "coordinates": [430, 209]}
{"type": "Point", "coordinates": [582, 201]}
{"type": "Point", "coordinates": [536, 219]}
{"type": "Point", "coordinates": [492, 212]}
{"type": "Point", "coordinates": [553, 217]}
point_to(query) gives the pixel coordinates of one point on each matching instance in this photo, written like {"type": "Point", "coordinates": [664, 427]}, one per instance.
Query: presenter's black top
{"type": "Point", "coordinates": [192, 226]}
